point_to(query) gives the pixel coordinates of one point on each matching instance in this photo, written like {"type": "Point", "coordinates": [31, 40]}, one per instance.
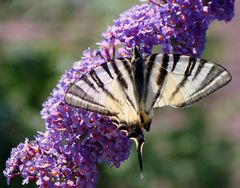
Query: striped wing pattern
{"type": "Point", "coordinates": [124, 88]}
{"type": "Point", "coordinates": [108, 90]}
{"type": "Point", "coordinates": [179, 81]}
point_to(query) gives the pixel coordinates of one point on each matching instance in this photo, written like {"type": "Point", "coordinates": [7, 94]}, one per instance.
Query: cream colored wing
{"type": "Point", "coordinates": [107, 90]}
{"type": "Point", "coordinates": [180, 81]}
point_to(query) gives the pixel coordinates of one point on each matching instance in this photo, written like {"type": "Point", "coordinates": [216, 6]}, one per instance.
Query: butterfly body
{"type": "Point", "coordinates": [129, 89]}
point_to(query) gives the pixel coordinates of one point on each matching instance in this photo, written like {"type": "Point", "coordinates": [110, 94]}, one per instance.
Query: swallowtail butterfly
{"type": "Point", "coordinates": [129, 89]}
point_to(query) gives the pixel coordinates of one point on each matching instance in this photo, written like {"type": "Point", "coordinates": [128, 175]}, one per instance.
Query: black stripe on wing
{"type": "Point", "coordinates": [106, 68]}
{"type": "Point", "coordinates": [78, 92]}
{"type": "Point", "coordinates": [149, 66]}
{"type": "Point", "coordinates": [96, 79]}
{"type": "Point", "coordinates": [138, 65]}
{"type": "Point", "coordinates": [187, 73]}
{"type": "Point", "coordinates": [199, 69]}
{"type": "Point", "coordinates": [100, 83]}
{"type": "Point", "coordinates": [89, 83]}
{"type": "Point", "coordinates": [127, 66]}
{"type": "Point", "coordinates": [120, 78]}
{"type": "Point", "coordinates": [176, 58]}
{"type": "Point", "coordinates": [161, 77]}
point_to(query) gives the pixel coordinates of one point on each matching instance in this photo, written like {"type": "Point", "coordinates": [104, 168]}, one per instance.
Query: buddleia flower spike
{"type": "Point", "coordinates": [109, 88]}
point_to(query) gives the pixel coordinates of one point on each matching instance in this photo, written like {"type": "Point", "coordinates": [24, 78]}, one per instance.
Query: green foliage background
{"type": "Point", "coordinates": [39, 40]}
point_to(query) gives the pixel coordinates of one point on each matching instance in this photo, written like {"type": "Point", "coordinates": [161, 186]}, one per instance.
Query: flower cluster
{"type": "Point", "coordinates": [178, 26]}
{"type": "Point", "coordinates": [66, 154]}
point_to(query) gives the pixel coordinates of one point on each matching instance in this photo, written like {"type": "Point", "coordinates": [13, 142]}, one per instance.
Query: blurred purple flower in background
{"type": "Point", "coordinates": [67, 153]}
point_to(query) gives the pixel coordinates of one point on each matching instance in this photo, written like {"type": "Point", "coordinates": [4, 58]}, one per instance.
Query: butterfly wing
{"type": "Point", "coordinates": [107, 90]}
{"type": "Point", "coordinates": [179, 81]}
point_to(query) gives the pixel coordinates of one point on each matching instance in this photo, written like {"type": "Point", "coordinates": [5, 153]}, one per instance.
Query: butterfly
{"type": "Point", "coordinates": [129, 89]}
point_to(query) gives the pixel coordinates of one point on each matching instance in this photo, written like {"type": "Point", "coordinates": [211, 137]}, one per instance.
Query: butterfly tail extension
{"type": "Point", "coordinates": [137, 136]}
{"type": "Point", "coordinates": [140, 155]}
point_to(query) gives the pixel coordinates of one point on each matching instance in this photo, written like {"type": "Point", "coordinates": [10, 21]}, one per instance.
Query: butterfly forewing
{"type": "Point", "coordinates": [179, 81]}
{"type": "Point", "coordinates": [107, 90]}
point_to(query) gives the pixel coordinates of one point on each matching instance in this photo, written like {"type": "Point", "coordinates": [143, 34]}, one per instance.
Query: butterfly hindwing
{"type": "Point", "coordinates": [179, 81]}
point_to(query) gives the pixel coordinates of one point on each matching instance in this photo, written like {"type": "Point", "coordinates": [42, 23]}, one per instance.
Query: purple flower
{"type": "Point", "coordinates": [66, 154]}
{"type": "Point", "coordinates": [178, 26]}
{"type": "Point", "coordinates": [222, 9]}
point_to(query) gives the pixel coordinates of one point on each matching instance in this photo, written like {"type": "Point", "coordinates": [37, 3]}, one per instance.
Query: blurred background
{"type": "Point", "coordinates": [196, 147]}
